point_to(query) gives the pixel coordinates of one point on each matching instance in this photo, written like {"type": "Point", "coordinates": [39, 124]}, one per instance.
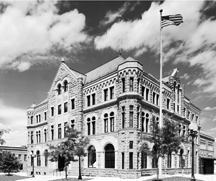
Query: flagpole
{"type": "Point", "coordinates": [161, 99]}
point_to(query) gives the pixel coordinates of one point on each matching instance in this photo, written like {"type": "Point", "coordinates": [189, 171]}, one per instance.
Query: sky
{"type": "Point", "coordinates": [36, 35]}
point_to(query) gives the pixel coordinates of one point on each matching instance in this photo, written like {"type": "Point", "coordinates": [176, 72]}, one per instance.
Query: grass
{"type": "Point", "coordinates": [175, 179]}
{"type": "Point", "coordinates": [11, 177]}
{"type": "Point", "coordinates": [70, 179]}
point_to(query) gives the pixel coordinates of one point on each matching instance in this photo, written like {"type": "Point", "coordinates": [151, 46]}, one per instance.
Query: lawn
{"type": "Point", "coordinates": [5, 177]}
{"type": "Point", "coordinates": [70, 179]}
{"type": "Point", "coordinates": [176, 179]}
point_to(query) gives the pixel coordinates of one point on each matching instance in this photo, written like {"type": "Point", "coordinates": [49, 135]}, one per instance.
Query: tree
{"type": "Point", "coordinates": [2, 131]}
{"type": "Point", "coordinates": [165, 140]}
{"type": "Point", "coordinates": [74, 145]}
{"type": "Point", "coordinates": [9, 162]}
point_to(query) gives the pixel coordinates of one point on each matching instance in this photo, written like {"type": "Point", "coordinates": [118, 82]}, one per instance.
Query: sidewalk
{"type": "Point", "coordinates": [49, 177]}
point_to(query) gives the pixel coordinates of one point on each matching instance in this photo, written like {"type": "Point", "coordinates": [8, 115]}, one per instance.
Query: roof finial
{"type": "Point", "coordinates": [63, 60]}
{"type": "Point", "coordinates": [120, 52]}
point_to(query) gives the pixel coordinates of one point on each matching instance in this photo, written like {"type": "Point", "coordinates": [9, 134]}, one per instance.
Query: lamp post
{"type": "Point", "coordinates": [32, 157]}
{"type": "Point", "coordinates": [193, 132]}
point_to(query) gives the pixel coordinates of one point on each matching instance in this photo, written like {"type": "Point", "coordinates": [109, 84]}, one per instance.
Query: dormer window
{"type": "Point", "coordinates": [59, 89]}
{"type": "Point", "coordinates": [65, 86]}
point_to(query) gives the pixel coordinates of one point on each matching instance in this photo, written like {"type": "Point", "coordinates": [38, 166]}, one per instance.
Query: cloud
{"type": "Point", "coordinates": [112, 16]}
{"type": "Point", "coordinates": [34, 27]}
{"type": "Point", "coordinates": [192, 43]}
{"type": "Point", "coordinates": [185, 76]}
{"type": "Point", "coordinates": [213, 129]}
{"type": "Point", "coordinates": [15, 120]}
{"type": "Point", "coordinates": [209, 108]}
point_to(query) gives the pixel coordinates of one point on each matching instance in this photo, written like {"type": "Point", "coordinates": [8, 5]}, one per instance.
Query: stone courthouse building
{"type": "Point", "coordinates": [113, 105]}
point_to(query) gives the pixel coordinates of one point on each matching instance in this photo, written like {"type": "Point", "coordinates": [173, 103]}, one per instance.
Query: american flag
{"type": "Point", "coordinates": [171, 20]}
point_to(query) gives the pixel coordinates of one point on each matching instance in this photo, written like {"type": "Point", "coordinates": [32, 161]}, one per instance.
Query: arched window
{"type": "Point", "coordinates": [169, 160]}
{"type": "Point", "coordinates": [157, 120]}
{"type": "Point", "coordinates": [91, 156]}
{"type": "Point", "coordinates": [181, 157]}
{"type": "Point", "coordinates": [111, 121]}
{"type": "Point", "coordinates": [46, 158]}
{"type": "Point", "coordinates": [105, 123]}
{"type": "Point", "coordinates": [89, 126]}
{"type": "Point", "coordinates": [65, 86]}
{"type": "Point", "coordinates": [143, 121]}
{"type": "Point", "coordinates": [93, 125]}
{"type": "Point", "coordinates": [38, 158]}
{"type": "Point", "coordinates": [59, 89]}
{"type": "Point", "coordinates": [144, 156]}
{"type": "Point", "coordinates": [109, 156]}
{"type": "Point", "coordinates": [154, 157]}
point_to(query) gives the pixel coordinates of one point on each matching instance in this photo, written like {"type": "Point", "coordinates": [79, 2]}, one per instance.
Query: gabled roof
{"type": "Point", "coordinates": [104, 69]}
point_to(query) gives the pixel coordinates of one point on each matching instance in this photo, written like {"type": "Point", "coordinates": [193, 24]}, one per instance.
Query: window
{"type": "Point", "coordinates": [59, 109]}
{"type": "Point", "coordinates": [72, 103]}
{"type": "Point", "coordinates": [52, 111]}
{"type": "Point", "coordinates": [91, 156]}
{"type": "Point", "coordinates": [31, 119]}
{"type": "Point", "coordinates": [154, 99]}
{"type": "Point", "coordinates": [147, 94]}
{"type": "Point", "coordinates": [72, 124]}
{"type": "Point", "coordinates": [46, 158]}
{"type": "Point", "coordinates": [109, 156]}
{"type": "Point", "coordinates": [39, 137]}
{"type": "Point", "coordinates": [145, 122]}
{"type": "Point", "coordinates": [65, 129]}
{"type": "Point", "coordinates": [130, 144]}
{"type": "Point", "coordinates": [123, 117]}
{"type": "Point", "coordinates": [112, 92]}
{"type": "Point", "coordinates": [88, 126]}
{"type": "Point", "coordinates": [123, 85]}
{"type": "Point", "coordinates": [168, 103]}
{"type": "Point", "coordinates": [105, 123]}
{"type": "Point", "coordinates": [138, 85]}
{"type": "Point", "coordinates": [181, 157]}
{"type": "Point", "coordinates": [174, 107]}
{"type": "Point", "coordinates": [59, 89]}
{"type": "Point", "coordinates": [138, 115]}
{"type": "Point", "coordinates": [105, 94]}
{"type": "Point", "coordinates": [154, 159]}
{"type": "Point", "coordinates": [93, 125]}
{"type": "Point", "coordinates": [45, 116]}
{"type": "Point", "coordinates": [38, 158]}
{"type": "Point", "coordinates": [143, 91]}
{"type": "Point", "coordinates": [93, 99]}
{"type": "Point", "coordinates": [45, 135]}
{"type": "Point", "coordinates": [122, 160]}
{"type": "Point", "coordinates": [169, 160]}
{"type": "Point", "coordinates": [32, 138]}
{"type": "Point", "coordinates": [37, 119]}
{"type": "Point", "coordinates": [19, 156]}
{"type": "Point", "coordinates": [131, 160]}
{"type": "Point", "coordinates": [25, 157]}
{"type": "Point", "coordinates": [88, 100]}
{"type": "Point", "coordinates": [157, 99]}
{"type": "Point", "coordinates": [111, 121]}
{"type": "Point", "coordinates": [65, 107]}
{"type": "Point", "coordinates": [131, 117]}
{"type": "Point", "coordinates": [65, 86]}
{"type": "Point", "coordinates": [131, 84]}
{"type": "Point", "coordinates": [52, 132]}
{"type": "Point", "coordinates": [59, 131]}
{"type": "Point", "coordinates": [143, 159]}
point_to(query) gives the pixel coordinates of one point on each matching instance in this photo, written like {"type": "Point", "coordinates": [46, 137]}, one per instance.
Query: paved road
{"type": "Point", "coordinates": [48, 178]}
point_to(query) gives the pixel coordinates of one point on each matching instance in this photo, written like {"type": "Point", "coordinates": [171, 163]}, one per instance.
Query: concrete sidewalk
{"type": "Point", "coordinates": [49, 177]}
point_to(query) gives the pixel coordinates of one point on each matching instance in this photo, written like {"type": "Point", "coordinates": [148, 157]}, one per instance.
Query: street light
{"type": "Point", "coordinates": [32, 161]}
{"type": "Point", "coordinates": [193, 132]}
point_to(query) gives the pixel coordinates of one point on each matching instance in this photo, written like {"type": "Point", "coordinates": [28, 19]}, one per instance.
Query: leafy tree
{"type": "Point", "coordinates": [165, 140]}
{"type": "Point", "coordinates": [2, 131]}
{"type": "Point", "coordinates": [74, 145]}
{"type": "Point", "coordinates": [9, 162]}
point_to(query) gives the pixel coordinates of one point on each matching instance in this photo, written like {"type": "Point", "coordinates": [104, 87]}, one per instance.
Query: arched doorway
{"type": "Point", "coordinates": [91, 156]}
{"type": "Point", "coordinates": [38, 158]}
{"type": "Point", "coordinates": [61, 162]}
{"type": "Point", "coordinates": [154, 157]}
{"type": "Point", "coordinates": [109, 156]}
{"type": "Point", "coordinates": [181, 158]}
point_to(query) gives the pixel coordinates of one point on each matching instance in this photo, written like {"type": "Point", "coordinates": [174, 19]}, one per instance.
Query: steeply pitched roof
{"type": "Point", "coordinates": [104, 69]}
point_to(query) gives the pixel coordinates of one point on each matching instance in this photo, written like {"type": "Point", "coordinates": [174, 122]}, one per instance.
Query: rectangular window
{"type": "Point", "coordinates": [19, 156]}
{"type": "Point", "coordinates": [153, 99]}
{"type": "Point", "coordinates": [52, 132]}
{"type": "Point", "coordinates": [157, 100]}
{"type": "Point", "coordinates": [88, 100]}
{"type": "Point", "coordinates": [31, 119]}
{"type": "Point", "coordinates": [72, 103]}
{"type": "Point", "coordinates": [111, 124]}
{"type": "Point", "coordinates": [93, 99]}
{"type": "Point", "coordinates": [138, 85]}
{"type": "Point", "coordinates": [72, 124]}
{"type": "Point", "coordinates": [131, 117]}
{"type": "Point", "coordinates": [112, 92]}
{"type": "Point", "coordinates": [122, 160]}
{"type": "Point", "coordinates": [59, 131]}
{"type": "Point", "coordinates": [65, 107]}
{"type": "Point", "coordinates": [37, 119]}
{"type": "Point", "coordinates": [45, 135]}
{"type": "Point", "coordinates": [93, 127]}
{"type": "Point", "coordinates": [168, 103]}
{"type": "Point", "coordinates": [143, 91]}
{"type": "Point", "coordinates": [123, 117]}
{"type": "Point", "coordinates": [131, 84]}
{"type": "Point", "coordinates": [45, 116]}
{"type": "Point", "coordinates": [130, 144]}
{"type": "Point", "coordinates": [105, 94]}
{"type": "Point", "coordinates": [123, 84]}
{"type": "Point", "coordinates": [32, 137]}
{"type": "Point", "coordinates": [65, 129]}
{"type": "Point", "coordinates": [59, 109]}
{"type": "Point", "coordinates": [178, 108]}
{"type": "Point", "coordinates": [52, 111]}
{"type": "Point", "coordinates": [174, 107]}
{"type": "Point", "coordinates": [147, 94]}
{"type": "Point", "coordinates": [131, 160]}
{"type": "Point", "coordinates": [25, 157]}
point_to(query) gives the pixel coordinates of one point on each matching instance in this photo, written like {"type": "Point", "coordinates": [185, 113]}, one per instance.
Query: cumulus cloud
{"type": "Point", "coordinates": [34, 27]}
{"type": "Point", "coordinates": [15, 120]}
{"type": "Point", "coordinates": [209, 108]}
{"type": "Point", "coordinates": [193, 42]}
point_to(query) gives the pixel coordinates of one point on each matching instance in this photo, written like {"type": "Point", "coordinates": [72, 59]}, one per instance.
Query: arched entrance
{"type": "Point", "coordinates": [91, 156]}
{"type": "Point", "coordinates": [109, 156]}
